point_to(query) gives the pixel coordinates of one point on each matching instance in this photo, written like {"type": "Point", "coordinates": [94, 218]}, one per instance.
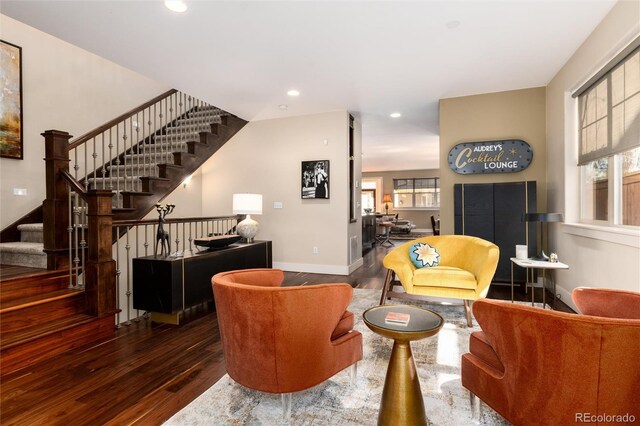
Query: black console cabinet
{"type": "Point", "coordinates": [168, 285]}
{"type": "Point", "coordinates": [368, 231]}
{"type": "Point", "coordinates": [493, 211]}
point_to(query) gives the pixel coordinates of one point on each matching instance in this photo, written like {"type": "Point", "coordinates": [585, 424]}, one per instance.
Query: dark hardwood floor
{"type": "Point", "coordinates": [147, 371]}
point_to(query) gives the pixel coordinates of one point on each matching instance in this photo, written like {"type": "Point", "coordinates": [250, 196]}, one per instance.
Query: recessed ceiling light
{"type": "Point", "coordinates": [293, 93]}
{"type": "Point", "coordinates": [452, 24]}
{"type": "Point", "coordinates": [176, 5]}
{"type": "Point", "coordinates": [283, 107]}
{"type": "Point", "coordinates": [395, 115]}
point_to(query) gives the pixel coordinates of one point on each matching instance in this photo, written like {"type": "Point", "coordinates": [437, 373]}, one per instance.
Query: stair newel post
{"type": "Point", "coordinates": [55, 208]}
{"type": "Point", "coordinates": [100, 268]}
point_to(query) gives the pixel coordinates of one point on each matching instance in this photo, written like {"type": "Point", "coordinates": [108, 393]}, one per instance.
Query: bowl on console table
{"type": "Point", "coordinates": [217, 242]}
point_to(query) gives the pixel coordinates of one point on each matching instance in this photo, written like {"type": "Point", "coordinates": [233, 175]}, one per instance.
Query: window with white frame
{"type": "Point", "coordinates": [609, 145]}
{"type": "Point", "coordinates": [420, 193]}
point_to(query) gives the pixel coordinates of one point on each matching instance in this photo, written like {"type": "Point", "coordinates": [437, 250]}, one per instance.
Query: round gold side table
{"type": "Point", "coordinates": [402, 402]}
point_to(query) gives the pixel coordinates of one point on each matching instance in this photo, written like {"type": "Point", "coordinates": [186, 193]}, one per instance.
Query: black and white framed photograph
{"type": "Point", "coordinates": [315, 179]}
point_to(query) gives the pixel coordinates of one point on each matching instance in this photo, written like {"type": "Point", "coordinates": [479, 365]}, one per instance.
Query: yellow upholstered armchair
{"type": "Point", "coordinates": [466, 268]}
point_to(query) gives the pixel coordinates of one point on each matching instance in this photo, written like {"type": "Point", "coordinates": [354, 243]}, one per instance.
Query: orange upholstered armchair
{"type": "Point", "coordinates": [284, 339]}
{"type": "Point", "coordinates": [535, 366]}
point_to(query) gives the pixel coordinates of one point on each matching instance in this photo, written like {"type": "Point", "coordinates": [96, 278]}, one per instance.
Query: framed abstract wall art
{"type": "Point", "coordinates": [315, 179]}
{"type": "Point", "coordinates": [11, 125]}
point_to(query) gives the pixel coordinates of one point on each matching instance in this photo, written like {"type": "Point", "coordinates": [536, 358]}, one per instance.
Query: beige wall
{"type": "Point", "coordinates": [516, 114]}
{"type": "Point", "coordinates": [265, 157]}
{"type": "Point", "coordinates": [420, 218]}
{"type": "Point", "coordinates": [64, 88]}
{"type": "Point", "coordinates": [597, 256]}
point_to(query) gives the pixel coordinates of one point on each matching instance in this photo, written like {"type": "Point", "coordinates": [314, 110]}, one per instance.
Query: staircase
{"type": "Point", "coordinates": [146, 174]}
{"type": "Point", "coordinates": [43, 313]}
{"type": "Point", "coordinates": [153, 168]}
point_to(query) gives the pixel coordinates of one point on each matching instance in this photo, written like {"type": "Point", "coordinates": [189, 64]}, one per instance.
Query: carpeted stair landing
{"type": "Point", "coordinates": [26, 252]}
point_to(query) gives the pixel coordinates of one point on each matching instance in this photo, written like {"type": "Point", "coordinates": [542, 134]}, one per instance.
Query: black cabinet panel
{"type": "Point", "coordinates": [493, 212]}
{"type": "Point", "coordinates": [479, 226]}
{"type": "Point", "coordinates": [510, 200]}
{"type": "Point", "coordinates": [170, 284]}
{"type": "Point", "coordinates": [478, 200]}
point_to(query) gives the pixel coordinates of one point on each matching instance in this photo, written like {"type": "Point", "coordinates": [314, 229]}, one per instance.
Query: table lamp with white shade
{"type": "Point", "coordinates": [247, 204]}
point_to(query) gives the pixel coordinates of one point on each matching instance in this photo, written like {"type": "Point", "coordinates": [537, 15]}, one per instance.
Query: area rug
{"type": "Point", "coordinates": [402, 236]}
{"type": "Point", "coordinates": [337, 401]}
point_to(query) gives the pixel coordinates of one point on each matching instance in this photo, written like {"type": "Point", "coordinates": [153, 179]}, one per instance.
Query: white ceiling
{"type": "Point", "coordinates": [369, 57]}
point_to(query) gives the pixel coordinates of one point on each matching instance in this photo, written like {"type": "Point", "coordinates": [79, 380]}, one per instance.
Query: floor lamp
{"type": "Point", "coordinates": [542, 218]}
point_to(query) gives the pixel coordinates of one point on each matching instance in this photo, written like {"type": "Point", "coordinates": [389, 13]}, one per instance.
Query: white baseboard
{"type": "Point", "coordinates": [313, 268]}
{"type": "Point", "coordinates": [355, 265]}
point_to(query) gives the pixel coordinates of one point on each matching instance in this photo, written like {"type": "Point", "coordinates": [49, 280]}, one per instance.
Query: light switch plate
{"type": "Point", "coordinates": [19, 191]}
{"type": "Point", "coordinates": [277, 204]}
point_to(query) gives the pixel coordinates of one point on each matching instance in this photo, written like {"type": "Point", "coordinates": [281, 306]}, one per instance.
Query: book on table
{"type": "Point", "coordinates": [397, 318]}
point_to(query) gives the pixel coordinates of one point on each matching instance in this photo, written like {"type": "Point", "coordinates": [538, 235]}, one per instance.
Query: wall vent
{"type": "Point", "coordinates": [353, 249]}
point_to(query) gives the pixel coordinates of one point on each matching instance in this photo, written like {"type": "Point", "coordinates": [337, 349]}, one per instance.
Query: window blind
{"type": "Point", "coordinates": [609, 111]}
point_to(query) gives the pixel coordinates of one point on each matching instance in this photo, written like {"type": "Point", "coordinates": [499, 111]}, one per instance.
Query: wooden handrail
{"type": "Point", "coordinates": [170, 220]}
{"type": "Point", "coordinates": [82, 139]}
{"type": "Point", "coordinates": [75, 185]}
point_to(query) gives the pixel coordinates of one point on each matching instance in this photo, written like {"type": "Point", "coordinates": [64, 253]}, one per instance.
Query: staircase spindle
{"type": "Point", "coordinates": [104, 168]}
{"type": "Point", "coordinates": [76, 220]}
{"type": "Point", "coordinates": [110, 160]}
{"type": "Point", "coordinates": [146, 138]}
{"type": "Point", "coordinates": [124, 162]}
{"type": "Point", "coordinates": [75, 164]}
{"type": "Point", "coordinates": [118, 273]}
{"type": "Point", "coordinates": [177, 240]}
{"type": "Point", "coordinates": [171, 124]}
{"type": "Point", "coordinates": [152, 149]}
{"type": "Point", "coordinates": [191, 114]}
{"type": "Point", "coordinates": [190, 237]}
{"type": "Point", "coordinates": [128, 292]}
{"type": "Point", "coordinates": [142, 145]}
{"type": "Point", "coordinates": [118, 162]}
{"type": "Point", "coordinates": [146, 241]}
{"type": "Point", "coordinates": [202, 113]}
{"type": "Point", "coordinates": [162, 127]}
{"type": "Point", "coordinates": [184, 236]}
{"type": "Point", "coordinates": [86, 181]}
{"type": "Point", "coordinates": [131, 160]}
{"type": "Point", "coordinates": [137, 318]}
{"type": "Point", "coordinates": [137, 126]}
{"type": "Point", "coordinates": [83, 241]}
{"type": "Point", "coordinates": [185, 112]}
{"type": "Point", "coordinates": [70, 232]}
{"type": "Point", "coordinates": [95, 156]}
{"type": "Point", "coordinates": [176, 123]}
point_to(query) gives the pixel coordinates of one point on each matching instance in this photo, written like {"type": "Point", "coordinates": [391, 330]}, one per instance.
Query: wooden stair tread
{"type": "Point", "coordinates": [38, 299]}
{"type": "Point", "coordinates": [11, 339]}
{"type": "Point", "coordinates": [17, 273]}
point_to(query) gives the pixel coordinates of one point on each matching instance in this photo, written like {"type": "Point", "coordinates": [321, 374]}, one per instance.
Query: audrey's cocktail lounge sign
{"type": "Point", "coordinates": [507, 156]}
